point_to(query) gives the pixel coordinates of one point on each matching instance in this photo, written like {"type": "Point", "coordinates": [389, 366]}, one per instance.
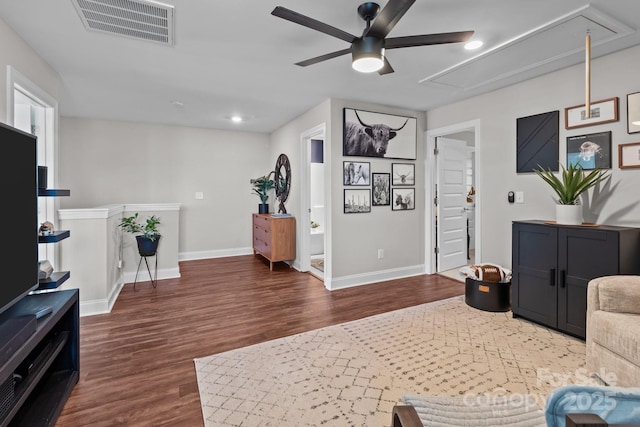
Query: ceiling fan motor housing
{"type": "Point", "coordinates": [369, 50]}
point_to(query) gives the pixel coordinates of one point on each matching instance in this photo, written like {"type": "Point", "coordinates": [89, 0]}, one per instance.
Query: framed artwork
{"type": "Point", "coordinates": [590, 151]}
{"type": "Point", "coordinates": [604, 111]}
{"type": "Point", "coordinates": [381, 189]}
{"type": "Point", "coordinates": [403, 173]}
{"type": "Point", "coordinates": [357, 201]}
{"type": "Point", "coordinates": [369, 134]}
{"type": "Point", "coordinates": [633, 112]}
{"type": "Point", "coordinates": [404, 199]}
{"type": "Point", "coordinates": [629, 155]}
{"type": "Point", "coordinates": [537, 142]}
{"type": "Point", "coordinates": [356, 173]}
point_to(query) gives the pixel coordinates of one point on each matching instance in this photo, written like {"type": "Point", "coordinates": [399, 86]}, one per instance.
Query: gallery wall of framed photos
{"type": "Point", "coordinates": [538, 137]}
{"type": "Point", "coordinates": [368, 134]}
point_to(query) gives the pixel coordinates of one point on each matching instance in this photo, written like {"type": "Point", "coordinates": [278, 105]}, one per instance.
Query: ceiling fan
{"type": "Point", "coordinates": [368, 51]}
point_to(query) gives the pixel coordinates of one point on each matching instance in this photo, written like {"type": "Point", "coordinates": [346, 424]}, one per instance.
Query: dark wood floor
{"type": "Point", "coordinates": [137, 361]}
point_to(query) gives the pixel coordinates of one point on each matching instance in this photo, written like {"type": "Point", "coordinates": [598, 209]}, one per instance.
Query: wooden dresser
{"type": "Point", "coordinates": [274, 238]}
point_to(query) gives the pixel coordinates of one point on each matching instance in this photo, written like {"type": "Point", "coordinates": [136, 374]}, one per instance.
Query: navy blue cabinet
{"type": "Point", "coordinates": [552, 265]}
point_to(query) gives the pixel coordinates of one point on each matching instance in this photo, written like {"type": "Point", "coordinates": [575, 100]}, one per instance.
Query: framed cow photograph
{"type": "Point", "coordinates": [403, 173]}
{"type": "Point", "coordinates": [369, 134]}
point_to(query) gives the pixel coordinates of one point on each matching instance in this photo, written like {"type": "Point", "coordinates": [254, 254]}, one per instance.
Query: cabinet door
{"type": "Point", "coordinates": [583, 254]}
{"type": "Point", "coordinates": [534, 264]}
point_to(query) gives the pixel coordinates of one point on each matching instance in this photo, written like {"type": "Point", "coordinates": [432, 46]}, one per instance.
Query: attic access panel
{"type": "Point", "coordinates": [554, 41]}
{"type": "Point", "coordinates": [537, 142]}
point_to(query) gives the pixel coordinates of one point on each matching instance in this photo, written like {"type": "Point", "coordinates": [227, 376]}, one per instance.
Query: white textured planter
{"type": "Point", "coordinates": [569, 214]}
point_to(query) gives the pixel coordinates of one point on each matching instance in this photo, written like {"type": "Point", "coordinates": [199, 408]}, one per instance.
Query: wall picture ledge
{"type": "Point", "coordinates": [629, 155]}
{"type": "Point", "coordinates": [603, 111]}
{"type": "Point", "coordinates": [369, 134]}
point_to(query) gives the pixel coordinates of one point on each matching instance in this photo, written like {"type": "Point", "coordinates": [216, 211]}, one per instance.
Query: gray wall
{"type": "Point", "coordinates": [107, 162]}
{"type": "Point", "coordinates": [612, 76]}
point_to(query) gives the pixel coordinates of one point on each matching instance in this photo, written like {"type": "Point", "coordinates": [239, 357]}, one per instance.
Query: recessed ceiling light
{"type": "Point", "coordinates": [236, 119]}
{"type": "Point", "coordinates": [473, 45]}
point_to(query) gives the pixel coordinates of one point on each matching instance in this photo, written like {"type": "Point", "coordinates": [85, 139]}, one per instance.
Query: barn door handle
{"type": "Point", "coordinates": [552, 277]}
{"type": "Point", "coordinates": [563, 278]}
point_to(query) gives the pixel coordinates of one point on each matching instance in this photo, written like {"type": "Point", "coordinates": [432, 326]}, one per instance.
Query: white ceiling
{"type": "Point", "coordinates": [234, 57]}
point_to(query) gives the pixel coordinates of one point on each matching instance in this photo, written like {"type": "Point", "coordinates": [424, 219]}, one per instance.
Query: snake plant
{"type": "Point", "coordinates": [573, 181]}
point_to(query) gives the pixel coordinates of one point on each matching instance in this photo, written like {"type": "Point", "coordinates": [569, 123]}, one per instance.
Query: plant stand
{"type": "Point", "coordinates": [154, 278]}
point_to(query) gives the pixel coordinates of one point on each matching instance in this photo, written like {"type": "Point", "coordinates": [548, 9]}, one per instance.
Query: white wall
{"type": "Point", "coordinates": [108, 162]}
{"type": "Point", "coordinates": [614, 75]}
{"type": "Point", "coordinates": [16, 53]}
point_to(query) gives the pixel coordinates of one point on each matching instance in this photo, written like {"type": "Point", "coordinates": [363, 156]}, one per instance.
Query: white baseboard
{"type": "Point", "coordinates": [143, 276]}
{"type": "Point", "coordinates": [373, 277]}
{"type": "Point", "coordinates": [101, 306]}
{"type": "Point", "coordinates": [218, 253]}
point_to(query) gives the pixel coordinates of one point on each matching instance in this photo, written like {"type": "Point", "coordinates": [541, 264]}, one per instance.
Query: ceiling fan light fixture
{"type": "Point", "coordinates": [367, 55]}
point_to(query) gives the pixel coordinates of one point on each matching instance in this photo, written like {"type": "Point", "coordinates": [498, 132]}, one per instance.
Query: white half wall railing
{"type": "Point", "coordinates": [102, 258]}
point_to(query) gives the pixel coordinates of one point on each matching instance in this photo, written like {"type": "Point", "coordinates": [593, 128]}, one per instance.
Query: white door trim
{"type": "Point", "coordinates": [430, 179]}
{"type": "Point", "coordinates": [317, 132]}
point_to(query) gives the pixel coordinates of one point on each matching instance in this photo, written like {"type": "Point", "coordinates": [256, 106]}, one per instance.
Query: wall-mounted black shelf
{"type": "Point", "coordinates": [56, 279]}
{"type": "Point", "coordinates": [53, 192]}
{"type": "Point", "coordinates": [55, 237]}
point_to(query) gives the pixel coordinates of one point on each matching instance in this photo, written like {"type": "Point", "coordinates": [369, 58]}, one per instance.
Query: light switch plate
{"type": "Point", "coordinates": [519, 196]}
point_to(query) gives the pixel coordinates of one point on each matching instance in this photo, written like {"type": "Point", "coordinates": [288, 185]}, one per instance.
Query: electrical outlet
{"type": "Point", "coordinates": [199, 195]}
{"type": "Point", "coordinates": [119, 263]}
{"type": "Point", "coordinates": [380, 253]}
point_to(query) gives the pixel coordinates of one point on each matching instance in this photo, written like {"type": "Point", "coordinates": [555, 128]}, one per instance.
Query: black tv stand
{"type": "Point", "coordinates": [46, 367]}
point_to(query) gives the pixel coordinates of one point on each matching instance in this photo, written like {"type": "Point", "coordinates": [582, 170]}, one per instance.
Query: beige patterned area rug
{"type": "Point", "coordinates": [352, 374]}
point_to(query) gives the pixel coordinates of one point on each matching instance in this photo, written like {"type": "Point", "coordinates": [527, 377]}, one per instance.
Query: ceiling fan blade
{"type": "Point", "coordinates": [388, 18]}
{"type": "Point", "coordinates": [427, 39]}
{"type": "Point", "coordinates": [386, 69]}
{"type": "Point", "coordinates": [321, 58]}
{"type": "Point", "coordinates": [290, 15]}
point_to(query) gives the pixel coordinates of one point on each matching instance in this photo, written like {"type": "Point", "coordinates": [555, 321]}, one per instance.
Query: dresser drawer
{"type": "Point", "coordinates": [261, 246]}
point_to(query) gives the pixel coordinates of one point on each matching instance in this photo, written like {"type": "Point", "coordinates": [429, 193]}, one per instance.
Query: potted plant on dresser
{"type": "Point", "coordinates": [261, 187]}
{"type": "Point", "coordinates": [147, 234]}
{"type": "Point", "coordinates": [573, 181]}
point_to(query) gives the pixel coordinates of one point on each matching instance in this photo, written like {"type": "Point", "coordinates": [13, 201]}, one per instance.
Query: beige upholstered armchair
{"type": "Point", "coordinates": [613, 329]}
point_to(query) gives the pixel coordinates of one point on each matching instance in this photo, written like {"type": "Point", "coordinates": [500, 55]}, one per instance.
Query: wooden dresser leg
{"type": "Point", "coordinates": [271, 265]}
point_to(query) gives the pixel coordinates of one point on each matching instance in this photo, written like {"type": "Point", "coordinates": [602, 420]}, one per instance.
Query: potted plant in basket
{"type": "Point", "coordinates": [261, 186]}
{"type": "Point", "coordinates": [573, 181]}
{"type": "Point", "coordinates": [147, 234]}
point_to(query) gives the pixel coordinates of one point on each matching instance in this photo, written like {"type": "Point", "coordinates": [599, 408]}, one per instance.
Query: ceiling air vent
{"type": "Point", "coordinates": [138, 19]}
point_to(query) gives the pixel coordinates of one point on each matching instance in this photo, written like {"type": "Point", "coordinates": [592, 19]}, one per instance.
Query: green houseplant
{"type": "Point", "coordinates": [261, 187]}
{"type": "Point", "coordinates": [572, 182]}
{"type": "Point", "coordinates": [147, 234]}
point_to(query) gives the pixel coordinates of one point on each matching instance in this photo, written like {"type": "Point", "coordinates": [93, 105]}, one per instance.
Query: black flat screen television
{"type": "Point", "coordinates": [19, 215]}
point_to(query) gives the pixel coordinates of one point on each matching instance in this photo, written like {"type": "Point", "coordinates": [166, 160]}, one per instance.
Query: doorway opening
{"type": "Point", "coordinates": [313, 228]}
{"type": "Point", "coordinates": [34, 111]}
{"type": "Point", "coordinates": [453, 236]}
